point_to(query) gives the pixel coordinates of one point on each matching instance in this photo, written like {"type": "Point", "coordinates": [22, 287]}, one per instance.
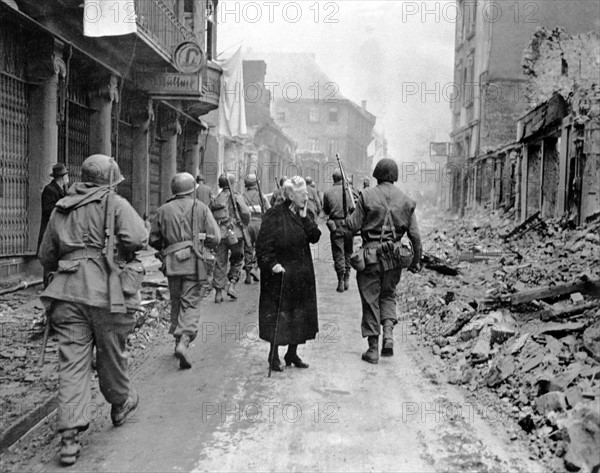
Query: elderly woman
{"type": "Point", "coordinates": [288, 296]}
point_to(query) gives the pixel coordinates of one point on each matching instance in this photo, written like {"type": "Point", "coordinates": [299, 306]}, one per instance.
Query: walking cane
{"type": "Point", "coordinates": [276, 325]}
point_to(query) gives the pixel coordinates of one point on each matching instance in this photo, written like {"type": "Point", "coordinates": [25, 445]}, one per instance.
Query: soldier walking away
{"type": "Point", "coordinates": [340, 235]}
{"type": "Point", "coordinates": [51, 194]}
{"type": "Point", "coordinates": [258, 205]}
{"type": "Point", "coordinates": [377, 286]}
{"type": "Point", "coordinates": [180, 230]}
{"type": "Point", "coordinates": [314, 201]}
{"type": "Point", "coordinates": [203, 192]}
{"type": "Point", "coordinates": [86, 306]}
{"type": "Point", "coordinates": [232, 238]}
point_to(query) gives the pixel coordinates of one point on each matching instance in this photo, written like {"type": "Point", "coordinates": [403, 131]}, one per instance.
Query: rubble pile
{"type": "Point", "coordinates": [521, 319]}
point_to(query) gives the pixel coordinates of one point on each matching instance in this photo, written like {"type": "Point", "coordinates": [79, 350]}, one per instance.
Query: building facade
{"type": "Point", "coordinates": [491, 92]}
{"type": "Point", "coordinates": [65, 96]}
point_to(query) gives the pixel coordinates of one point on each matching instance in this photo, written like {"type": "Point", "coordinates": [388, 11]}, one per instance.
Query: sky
{"type": "Point", "coordinates": [385, 52]}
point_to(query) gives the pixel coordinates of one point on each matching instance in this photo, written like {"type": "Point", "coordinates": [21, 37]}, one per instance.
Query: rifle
{"type": "Point", "coordinates": [238, 219]}
{"type": "Point", "coordinates": [260, 197]}
{"type": "Point", "coordinates": [116, 301]}
{"type": "Point", "coordinates": [345, 189]}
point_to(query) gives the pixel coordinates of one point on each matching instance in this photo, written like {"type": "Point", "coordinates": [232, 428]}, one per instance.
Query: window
{"type": "Point", "coordinates": [313, 115]}
{"type": "Point", "coordinates": [332, 147]}
{"type": "Point", "coordinates": [333, 114]}
{"type": "Point", "coordinates": [469, 83]}
{"type": "Point", "coordinates": [313, 144]}
{"type": "Point", "coordinates": [281, 116]}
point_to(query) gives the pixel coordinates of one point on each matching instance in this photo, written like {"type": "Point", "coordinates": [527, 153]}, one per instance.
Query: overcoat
{"type": "Point", "coordinates": [51, 194]}
{"type": "Point", "coordinates": [285, 239]}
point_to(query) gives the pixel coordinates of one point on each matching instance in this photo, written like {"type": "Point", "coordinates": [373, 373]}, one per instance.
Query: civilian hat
{"type": "Point", "coordinates": [59, 170]}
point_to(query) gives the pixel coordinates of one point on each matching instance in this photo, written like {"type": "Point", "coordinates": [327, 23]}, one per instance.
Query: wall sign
{"type": "Point", "coordinates": [188, 57]}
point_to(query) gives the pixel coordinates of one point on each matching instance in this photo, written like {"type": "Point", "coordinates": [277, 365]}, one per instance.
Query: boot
{"type": "Point", "coordinates": [347, 282]}
{"type": "Point", "coordinates": [340, 287]}
{"type": "Point", "coordinates": [231, 290]}
{"type": "Point", "coordinates": [388, 338]}
{"type": "Point", "coordinates": [254, 276]}
{"type": "Point", "coordinates": [372, 354]}
{"type": "Point", "coordinates": [274, 360]}
{"type": "Point", "coordinates": [218, 296]}
{"type": "Point", "coordinates": [291, 357]}
{"type": "Point", "coordinates": [182, 354]}
{"type": "Point", "coordinates": [248, 279]}
{"type": "Point", "coordinates": [70, 448]}
{"type": "Point", "coordinates": [119, 412]}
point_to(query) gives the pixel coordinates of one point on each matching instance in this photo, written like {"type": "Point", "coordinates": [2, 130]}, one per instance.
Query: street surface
{"type": "Point", "coordinates": [341, 414]}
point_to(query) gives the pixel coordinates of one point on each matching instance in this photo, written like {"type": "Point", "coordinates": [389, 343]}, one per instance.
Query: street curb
{"type": "Point", "coordinates": [26, 422]}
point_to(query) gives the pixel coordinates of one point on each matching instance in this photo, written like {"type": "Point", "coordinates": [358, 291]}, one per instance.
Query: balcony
{"type": "Point", "coordinates": [159, 26]}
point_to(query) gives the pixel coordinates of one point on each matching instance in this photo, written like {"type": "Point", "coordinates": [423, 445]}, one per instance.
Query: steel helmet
{"type": "Point", "coordinates": [98, 168]}
{"type": "Point", "coordinates": [337, 175]}
{"type": "Point", "coordinates": [183, 183]}
{"type": "Point", "coordinates": [250, 180]}
{"type": "Point", "coordinates": [386, 170]}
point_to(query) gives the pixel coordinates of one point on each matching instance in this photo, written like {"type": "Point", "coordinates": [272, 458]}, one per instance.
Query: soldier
{"type": "Point", "coordinates": [340, 236]}
{"type": "Point", "coordinates": [79, 300]}
{"type": "Point", "coordinates": [253, 199]}
{"type": "Point", "coordinates": [203, 193]}
{"type": "Point", "coordinates": [376, 286]}
{"type": "Point", "coordinates": [232, 238]}
{"type": "Point", "coordinates": [278, 197]}
{"type": "Point", "coordinates": [51, 194]}
{"type": "Point", "coordinates": [179, 227]}
{"type": "Point", "coordinates": [314, 201]}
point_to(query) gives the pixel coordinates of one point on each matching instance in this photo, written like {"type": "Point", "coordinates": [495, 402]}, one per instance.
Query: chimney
{"type": "Point", "coordinates": [364, 105]}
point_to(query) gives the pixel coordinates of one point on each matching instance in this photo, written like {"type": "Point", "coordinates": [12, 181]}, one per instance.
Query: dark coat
{"type": "Point", "coordinates": [284, 238]}
{"type": "Point", "coordinates": [51, 194]}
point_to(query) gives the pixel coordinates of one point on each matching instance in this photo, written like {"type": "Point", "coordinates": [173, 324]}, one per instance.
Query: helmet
{"type": "Point", "coordinates": [337, 175]}
{"type": "Point", "coordinates": [309, 180]}
{"type": "Point", "coordinates": [224, 180]}
{"type": "Point", "coordinates": [386, 170]}
{"type": "Point", "coordinates": [101, 169]}
{"type": "Point", "coordinates": [200, 178]}
{"type": "Point", "coordinates": [250, 180]}
{"type": "Point", "coordinates": [183, 183]}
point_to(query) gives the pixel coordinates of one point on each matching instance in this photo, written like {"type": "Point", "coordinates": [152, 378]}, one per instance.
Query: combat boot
{"type": "Point", "coordinates": [231, 290]}
{"type": "Point", "coordinates": [388, 338]}
{"type": "Point", "coordinates": [119, 412]}
{"type": "Point", "coordinates": [181, 352]}
{"type": "Point", "coordinates": [248, 279]}
{"type": "Point", "coordinates": [340, 287]}
{"type": "Point", "coordinates": [346, 282]}
{"type": "Point", "coordinates": [372, 354]}
{"type": "Point", "coordinates": [254, 276]}
{"type": "Point", "coordinates": [218, 296]}
{"type": "Point", "coordinates": [70, 448]}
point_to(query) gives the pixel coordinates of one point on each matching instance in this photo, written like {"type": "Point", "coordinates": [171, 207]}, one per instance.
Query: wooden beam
{"type": "Point", "coordinates": [587, 287]}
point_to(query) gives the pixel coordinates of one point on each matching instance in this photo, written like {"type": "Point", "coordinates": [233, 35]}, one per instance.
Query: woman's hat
{"type": "Point", "coordinates": [59, 170]}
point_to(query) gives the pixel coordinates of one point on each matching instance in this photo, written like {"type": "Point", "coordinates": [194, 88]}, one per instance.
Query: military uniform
{"type": "Point", "coordinates": [252, 198]}
{"type": "Point", "coordinates": [172, 232]}
{"type": "Point", "coordinates": [204, 193]}
{"type": "Point", "coordinates": [314, 201]}
{"type": "Point", "coordinates": [224, 214]}
{"type": "Point", "coordinates": [78, 299]}
{"type": "Point", "coordinates": [340, 236]}
{"type": "Point", "coordinates": [377, 287]}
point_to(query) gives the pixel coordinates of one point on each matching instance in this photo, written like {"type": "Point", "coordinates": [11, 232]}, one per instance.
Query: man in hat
{"type": "Point", "coordinates": [178, 222]}
{"type": "Point", "coordinates": [84, 309]}
{"type": "Point", "coordinates": [340, 236]}
{"type": "Point", "coordinates": [383, 214]}
{"type": "Point", "coordinates": [257, 203]}
{"type": "Point", "coordinates": [51, 194]}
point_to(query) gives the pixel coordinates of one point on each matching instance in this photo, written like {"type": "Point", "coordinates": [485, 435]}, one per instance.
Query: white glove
{"type": "Point", "coordinates": [278, 269]}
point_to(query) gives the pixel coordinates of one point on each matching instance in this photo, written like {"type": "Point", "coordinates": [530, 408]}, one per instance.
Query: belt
{"type": "Point", "coordinates": [84, 253]}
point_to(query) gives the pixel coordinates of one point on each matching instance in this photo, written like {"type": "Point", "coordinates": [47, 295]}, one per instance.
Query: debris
{"type": "Point", "coordinates": [481, 350]}
{"type": "Point", "coordinates": [559, 329]}
{"type": "Point", "coordinates": [591, 340]}
{"type": "Point", "coordinates": [552, 401]}
{"type": "Point", "coordinates": [583, 426]}
{"type": "Point", "coordinates": [576, 297]}
{"type": "Point", "coordinates": [436, 264]}
{"type": "Point", "coordinates": [592, 287]}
